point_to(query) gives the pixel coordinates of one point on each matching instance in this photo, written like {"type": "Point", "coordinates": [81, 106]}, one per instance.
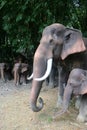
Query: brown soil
{"type": "Point", "coordinates": [16, 114]}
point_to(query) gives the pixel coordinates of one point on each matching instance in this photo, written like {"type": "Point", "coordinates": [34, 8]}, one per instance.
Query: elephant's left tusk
{"type": "Point", "coordinates": [49, 67]}
{"type": "Point", "coordinates": [29, 78]}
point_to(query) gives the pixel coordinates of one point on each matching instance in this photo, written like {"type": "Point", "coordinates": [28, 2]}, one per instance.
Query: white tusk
{"type": "Point", "coordinates": [29, 78]}
{"type": "Point", "coordinates": [49, 67]}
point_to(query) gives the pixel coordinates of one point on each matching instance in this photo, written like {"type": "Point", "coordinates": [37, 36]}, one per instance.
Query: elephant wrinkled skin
{"type": "Point", "coordinates": [82, 116]}
{"type": "Point", "coordinates": [57, 42]}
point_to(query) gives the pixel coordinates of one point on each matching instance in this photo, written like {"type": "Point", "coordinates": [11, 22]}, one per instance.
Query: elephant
{"type": "Point", "coordinates": [58, 42]}
{"type": "Point", "coordinates": [24, 72]}
{"type": "Point", "coordinates": [16, 72]}
{"type": "Point", "coordinates": [20, 70]}
{"type": "Point", "coordinates": [76, 85]}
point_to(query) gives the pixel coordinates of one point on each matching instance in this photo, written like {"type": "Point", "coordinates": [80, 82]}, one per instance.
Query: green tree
{"type": "Point", "coordinates": [22, 22]}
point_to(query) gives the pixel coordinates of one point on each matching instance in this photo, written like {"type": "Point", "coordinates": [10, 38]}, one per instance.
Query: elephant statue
{"type": "Point", "coordinates": [76, 85]}
{"type": "Point", "coordinates": [57, 42]}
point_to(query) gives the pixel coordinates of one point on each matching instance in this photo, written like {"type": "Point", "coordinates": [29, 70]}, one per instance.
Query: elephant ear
{"type": "Point", "coordinates": [73, 42]}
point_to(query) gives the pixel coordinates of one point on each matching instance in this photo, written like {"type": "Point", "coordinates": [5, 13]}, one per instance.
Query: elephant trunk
{"type": "Point", "coordinates": [34, 96]}
{"type": "Point", "coordinates": [39, 69]}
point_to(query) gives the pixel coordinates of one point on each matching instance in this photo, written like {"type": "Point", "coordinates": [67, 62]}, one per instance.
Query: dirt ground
{"type": "Point", "coordinates": [16, 114]}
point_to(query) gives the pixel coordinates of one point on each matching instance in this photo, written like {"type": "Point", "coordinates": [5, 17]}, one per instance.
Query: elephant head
{"type": "Point", "coordinates": [57, 41]}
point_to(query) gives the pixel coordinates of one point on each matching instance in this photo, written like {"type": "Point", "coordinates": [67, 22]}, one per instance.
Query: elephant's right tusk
{"type": "Point", "coordinates": [49, 67]}
{"type": "Point", "coordinates": [29, 78]}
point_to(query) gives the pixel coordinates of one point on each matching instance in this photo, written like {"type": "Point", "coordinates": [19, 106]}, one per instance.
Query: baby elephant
{"type": "Point", "coordinates": [77, 85]}
{"type": "Point", "coordinates": [20, 70]}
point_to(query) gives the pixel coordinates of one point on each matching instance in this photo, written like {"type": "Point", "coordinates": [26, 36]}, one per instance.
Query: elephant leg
{"type": "Point", "coordinates": [78, 101]}
{"type": "Point", "coordinates": [60, 88]}
{"type": "Point", "coordinates": [82, 116]}
{"type": "Point", "coordinates": [16, 73]}
{"type": "Point", "coordinates": [24, 78]}
{"type": "Point", "coordinates": [2, 74]}
{"type": "Point", "coordinates": [60, 95]}
{"type": "Point", "coordinates": [51, 79]}
{"type": "Point", "coordinates": [66, 99]}
{"type": "Point", "coordinates": [18, 78]}
{"type": "Point", "coordinates": [15, 77]}
{"type": "Point", "coordinates": [47, 81]}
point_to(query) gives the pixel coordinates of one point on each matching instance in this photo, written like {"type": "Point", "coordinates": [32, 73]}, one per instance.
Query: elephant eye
{"type": "Point", "coordinates": [51, 41]}
{"type": "Point", "coordinates": [67, 37]}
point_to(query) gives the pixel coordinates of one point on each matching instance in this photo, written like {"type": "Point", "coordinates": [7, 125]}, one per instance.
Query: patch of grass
{"type": "Point", "coordinates": [49, 119]}
{"type": "Point", "coordinates": [45, 117]}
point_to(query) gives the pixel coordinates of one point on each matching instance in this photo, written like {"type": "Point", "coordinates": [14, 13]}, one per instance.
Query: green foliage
{"type": "Point", "coordinates": [22, 22]}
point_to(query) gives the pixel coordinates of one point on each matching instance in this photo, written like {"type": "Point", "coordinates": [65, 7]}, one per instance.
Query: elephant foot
{"type": "Point", "coordinates": [51, 85]}
{"type": "Point", "coordinates": [59, 102]}
{"type": "Point", "coordinates": [24, 84]}
{"type": "Point", "coordinates": [17, 84]}
{"type": "Point", "coordinates": [62, 112]}
{"type": "Point", "coordinates": [80, 118]}
{"type": "Point", "coordinates": [47, 84]}
{"type": "Point", "coordinates": [3, 80]}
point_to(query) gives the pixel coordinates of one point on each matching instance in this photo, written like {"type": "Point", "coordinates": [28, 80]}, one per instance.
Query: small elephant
{"type": "Point", "coordinates": [20, 70]}
{"type": "Point", "coordinates": [24, 72]}
{"type": "Point", "coordinates": [57, 42]}
{"type": "Point", "coordinates": [76, 85]}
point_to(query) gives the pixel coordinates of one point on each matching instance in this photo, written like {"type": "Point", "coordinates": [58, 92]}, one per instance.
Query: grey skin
{"type": "Point", "coordinates": [51, 81]}
{"type": "Point", "coordinates": [2, 73]}
{"type": "Point", "coordinates": [82, 116]}
{"type": "Point", "coordinates": [76, 84]}
{"type": "Point", "coordinates": [20, 69]}
{"type": "Point", "coordinates": [5, 73]}
{"type": "Point", "coordinates": [57, 42]}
